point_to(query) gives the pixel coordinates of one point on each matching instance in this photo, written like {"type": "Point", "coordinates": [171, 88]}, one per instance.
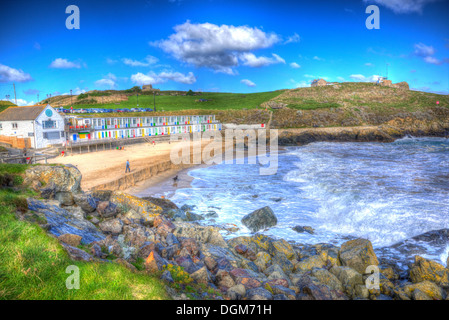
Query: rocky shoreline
{"type": "Point", "coordinates": [153, 235]}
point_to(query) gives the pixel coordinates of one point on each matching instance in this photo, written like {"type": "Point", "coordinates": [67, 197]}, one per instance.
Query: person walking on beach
{"type": "Point", "coordinates": [127, 167]}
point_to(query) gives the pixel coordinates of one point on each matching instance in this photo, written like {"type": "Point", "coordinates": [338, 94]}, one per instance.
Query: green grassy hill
{"type": "Point", "coordinates": [167, 102]}
{"type": "Point", "coordinates": [359, 94]}
{"type": "Point", "coordinates": [5, 105]}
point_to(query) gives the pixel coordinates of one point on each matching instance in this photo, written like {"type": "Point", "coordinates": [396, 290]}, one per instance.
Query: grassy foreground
{"type": "Point", "coordinates": [33, 264]}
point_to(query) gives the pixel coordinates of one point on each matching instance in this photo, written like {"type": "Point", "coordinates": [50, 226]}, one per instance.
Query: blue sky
{"type": "Point", "coordinates": [218, 45]}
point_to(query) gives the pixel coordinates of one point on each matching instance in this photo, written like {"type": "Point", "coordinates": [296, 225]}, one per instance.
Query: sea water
{"type": "Point", "coordinates": [384, 192]}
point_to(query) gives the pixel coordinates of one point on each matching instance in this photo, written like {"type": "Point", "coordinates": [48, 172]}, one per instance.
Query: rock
{"type": "Point", "coordinates": [281, 290]}
{"type": "Point", "coordinates": [327, 278]}
{"type": "Point", "coordinates": [77, 254]}
{"type": "Point", "coordinates": [113, 226]}
{"type": "Point", "coordinates": [424, 269]}
{"type": "Point", "coordinates": [224, 279]}
{"type": "Point", "coordinates": [281, 260]}
{"type": "Point", "coordinates": [165, 204]}
{"type": "Point", "coordinates": [145, 208]}
{"type": "Point", "coordinates": [95, 250]}
{"type": "Point", "coordinates": [190, 245]}
{"type": "Point", "coordinates": [154, 262]}
{"type": "Point", "coordinates": [111, 246]}
{"type": "Point", "coordinates": [314, 290]}
{"type": "Point", "coordinates": [348, 277]}
{"type": "Point", "coordinates": [419, 295]}
{"type": "Point", "coordinates": [300, 229]}
{"type": "Point", "coordinates": [145, 250]}
{"type": "Point", "coordinates": [166, 276]}
{"type": "Point", "coordinates": [309, 263]}
{"type": "Point", "coordinates": [136, 236]}
{"type": "Point", "coordinates": [201, 276]}
{"type": "Point", "coordinates": [283, 247]}
{"type": "Point", "coordinates": [70, 239]}
{"type": "Point", "coordinates": [245, 277]}
{"type": "Point", "coordinates": [241, 249]}
{"type": "Point", "coordinates": [102, 195]}
{"type": "Point", "coordinates": [126, 264]}
{"type": "Point", "coordinates": [260, 219]}
{"type": "Point", "coordinates": [259, 294]}
{"type": "Point", "coordinates": [62, 221]}
{"type": "Point", "coordinates": [64, 178]}
{"type": "Point", "coordinates": [237, 292]}
{"type": "Point", "coordinates": [358, 254]}
{"type": "Point", "coordinates": [190, 216]}
{"type": "Point", "coordinates": [164, 226]}
{"type": "Point", "coordinates": [203, 234]}
{"type": "Point", "coordinates": [85, 201]}
{"type": "Point", "coordinates": [107, 209]}
{"type": "Point", "coordinates": [65, 198]}
{"type": "Point", "coordinates": [263, 260]}
{"type": "Point", "coordinates": [426, 287]}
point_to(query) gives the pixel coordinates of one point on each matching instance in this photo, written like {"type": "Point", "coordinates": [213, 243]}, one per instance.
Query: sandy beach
{"type": "Point", "coordinates": [104, 166]}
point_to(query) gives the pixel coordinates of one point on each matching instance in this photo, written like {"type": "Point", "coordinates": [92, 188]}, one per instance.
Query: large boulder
{"type": "Point", "coordinates": [107, 209]}
{"type": "Point", "coordinates": [423, 269]}
{"type": "Point", "coordinates": [203, 234]}
{"type": "Point", "coordinates": [260, 219]}
{"type": "Point", "coordinates": [73, 240]}
{"type": "Point", "coordinates": [349, 278]}
{"type": "Point", "coordinates": [61, 221]}
{"type": "Point", "coordinates": [65, 178]}
{"type": "Point", "coordinates": [113, 226]}
{"type": "Point", "coordinates": [358, 254]}
{"type": "Point", "coordinates": [85, 201]}
{"type": "Point", "coordinates": [427, 288]}
{"type": "Point", "coordinates": [145, 208]}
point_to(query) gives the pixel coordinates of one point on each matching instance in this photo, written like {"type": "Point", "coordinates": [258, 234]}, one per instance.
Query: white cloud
{"type": "Point", "coordinates": [154, 78]}
{"type": "Point", "coordinates": [8, 74]}
{"type": "Point", "coordinates": [60, 63]}
{"type": "Point", "coordinates": [111, 61]}
{"type": "Point", "coordinates": [292, 39]}
{"type": "Point", "coordinates": [23, 102]}
{"type": "Point", "coordinates": [249, 83]}
{"type": "Point", "coordinates": [369, 64]}
{"type": "Point", "coordinates": [402, 6]}
{"type": "Point", "coordinates": [215, 47]}
{"type": "Point", "coordinates": [427, 52]}
{"type": "Point", "coordinates": [341, 79]}
{"type": "Point", "coordinates": [423, 50]}
{"type": "Point", "coordinates": [294, 65]}
{"type": "Point", "coordinates": [433, 60]}
{"type": "Point", "coordinates": [317, 58]}
{"type": "Point", "coordinates": [301, 84]}
{"type": "Point", "coordinates": [250, 59]}
{"type": "Point", "coordinates": [108, 81]}
{"type": "Point", "coordinates": [362, 78]}
{"type": "Point", "coordinates": [149, 60]}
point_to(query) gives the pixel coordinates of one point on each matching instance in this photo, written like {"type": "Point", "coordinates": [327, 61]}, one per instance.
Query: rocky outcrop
{"type": "Point", "coordinates": [424, 269]}
{"type": "Point", "coordinates": [54, 180]}
{"type": "Point", "coordinates": [260, 219]}
{"type": "Point", "coordinates": [358, 254]}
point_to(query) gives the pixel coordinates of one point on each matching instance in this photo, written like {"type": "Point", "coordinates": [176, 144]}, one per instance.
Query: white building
{"type": "Point", "coordinates": [42, 124]}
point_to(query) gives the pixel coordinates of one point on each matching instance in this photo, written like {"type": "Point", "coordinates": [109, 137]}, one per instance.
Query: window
{"type": "Point", "coordinates": [14, 125]}
{"type": "Point", "coordinates": [49, 124]}
{"type": "Point", "coordinates": [53, 135]}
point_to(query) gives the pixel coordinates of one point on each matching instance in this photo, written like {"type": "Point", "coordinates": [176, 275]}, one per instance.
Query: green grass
{"type": "Point", "coordinates": [5, 105]}
{"type": "Point", "coordinates": [216, 101]}
{"type": "Point", "coordinates": [33, 264]}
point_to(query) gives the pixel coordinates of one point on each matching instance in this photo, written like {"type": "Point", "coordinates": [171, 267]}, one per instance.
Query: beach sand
{"type": "Point", "coordinates": [104, 166]}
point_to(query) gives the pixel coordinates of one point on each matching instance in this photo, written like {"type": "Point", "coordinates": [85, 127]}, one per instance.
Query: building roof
{"type": "Point", "coordinates": [21, 113]}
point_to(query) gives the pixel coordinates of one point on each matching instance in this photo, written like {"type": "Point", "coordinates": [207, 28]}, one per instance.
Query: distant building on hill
{"type": "Point", "coordinates": [149, 87]}
{"type": "Point", "coordinates": [319, 83]}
